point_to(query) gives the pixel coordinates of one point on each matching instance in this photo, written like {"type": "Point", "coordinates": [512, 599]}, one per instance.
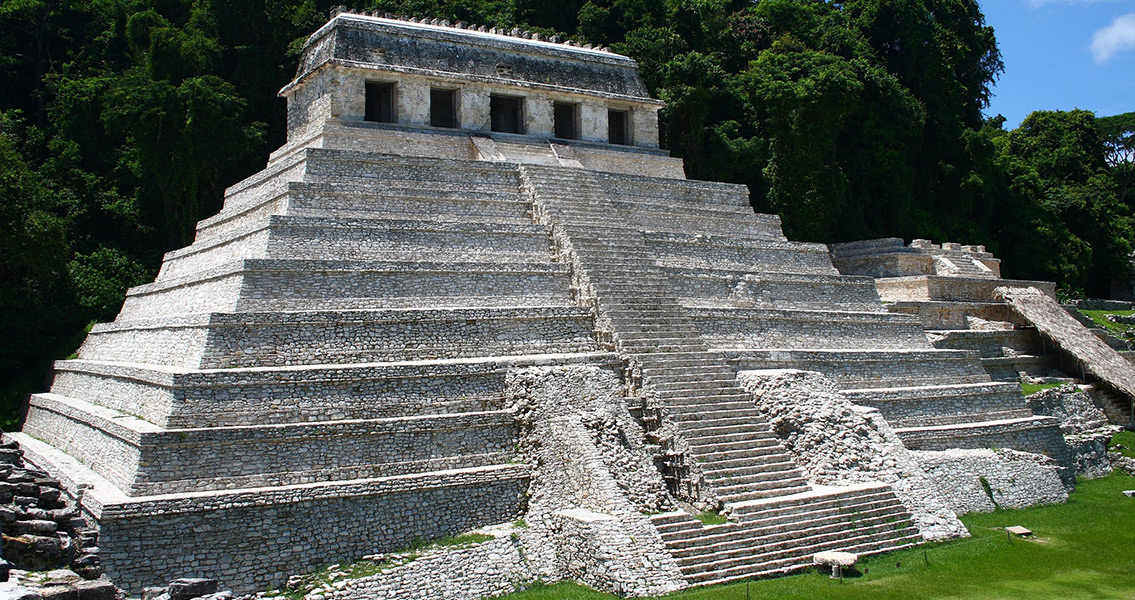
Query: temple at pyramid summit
{"type": "Point", "coordinates": [472, 293]}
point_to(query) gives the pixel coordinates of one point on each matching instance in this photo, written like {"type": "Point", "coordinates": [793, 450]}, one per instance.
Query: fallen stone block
{"type": "Point", "coordinates": [19, 593]}
{"type": "Point", "coordinates": [1018, 530]}
{"type": "Point", "coordinates": [62, 591]}
{"type": "Point", "coordinates": [184, 589]}
{"type": "Point", "coordinates": [98, 589]}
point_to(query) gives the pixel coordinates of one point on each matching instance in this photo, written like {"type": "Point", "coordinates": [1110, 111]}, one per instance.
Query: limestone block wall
{"type": "Point", "coordinates": [235, 397]}
{"type": "Point", "coordinates": [772, 328]}
{"type": "Point", "coordinates": [922, 288]}
{"type": "Point", "coordinates": [855, 369]}
{"type": "Point", "coordinates": [1025, 437]}
{"type": "Point", "coordinates": [254, 540]}
{"type": "Point", "coordinates": [943, 405]}
{"type": "Point", "coordinates": [1014, 479]}
{"type": "Point", "coordinates": [268, 285]}
{"type": "Point", "coordinates": [722, 287]}
{"type": "Point", "coordinates": [142, 460]}
{"type": "Point", "coordinates": [222, 340]}
{"type": "Point", "coordinates": [701, 251]}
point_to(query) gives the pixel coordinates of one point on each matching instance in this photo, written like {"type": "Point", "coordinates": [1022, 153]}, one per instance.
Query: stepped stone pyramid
{"type": "Point", "coordinates": [322, 374]}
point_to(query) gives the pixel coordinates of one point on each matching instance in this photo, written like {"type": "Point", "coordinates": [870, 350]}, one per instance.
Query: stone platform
{"type": "Point", "coordinates": [325, 372]}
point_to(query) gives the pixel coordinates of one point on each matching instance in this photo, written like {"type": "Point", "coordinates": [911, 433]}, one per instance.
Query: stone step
{"type": "Point", "coordinates": [351, 167]}
{"type": "Point", "coordinates": [700, 252]}
{"type": "Point", "coordinates": [661, 345]}
{"type": "Point", "coordinates": [272, 285]}
{"type": "Point", "coordinates": [695, 404]}
{"type": "Point", "coordinates": [486, 204]}
{"type": "Point", "coordinates": [695, 421]}
{"type": "Point", "coordinates": [720, 471]}
{"type": "Point", "coordinates": [705, 440]}
{"type": "Point", "coordinates": [799, 555]}
{"type": "Point", "coordinates": [944, 405]}
{"type": "Point", "coordinates": [723, 446]}
{"type": "Point", "coordinates": [796, 564]}
{"type": "Point", "coordinates": [305, 238]}
{"type": "Point", "coordinates": [1030, 434]}
{"type": "Point", "coordinates": [726, 287]}
{"type": "Point", "coordinates": [771, 481]}
{"type": "Point", "coordinates": [753, 492]}
{"type": "Point", "coordinates": [868, 368]}
{"type": "Point", "coordinates": [222, 340]}
{"type": "Point", "coordinates": [185, 398]}
{"type": "Point", "coordinates": [783, 510]}
{"type": "Point", "coordinates": [806, 329]}
{"type": "Point", "coordinates": [692, 376]}
{"type": "Point", "coordinates": [990, 343]}
{"type": "Point", "coordinates": [143, 459]}
{"type": "Point", "coordinates": [749, 539]}
{"type": "Point", "coordinates": [739, 458]}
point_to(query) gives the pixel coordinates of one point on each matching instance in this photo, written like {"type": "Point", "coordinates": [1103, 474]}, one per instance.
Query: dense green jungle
{"type": "Point", "coordinates": [122, 121]}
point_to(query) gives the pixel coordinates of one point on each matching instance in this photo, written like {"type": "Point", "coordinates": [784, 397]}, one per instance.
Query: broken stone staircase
{"type": "Point", "coordinates": [723, 449]}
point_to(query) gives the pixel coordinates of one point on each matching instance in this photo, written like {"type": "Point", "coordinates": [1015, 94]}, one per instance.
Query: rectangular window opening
{"type": "Point", "coordinates": [506, 114]}
{"type": "Point", "coordinates": [443, 108]}
{"type": "Point", "coordinates": [380, 102]}
{"type": "Point", "coordinates": [566, 120]}
{"type": "Point", "coordinates": [618, 127]}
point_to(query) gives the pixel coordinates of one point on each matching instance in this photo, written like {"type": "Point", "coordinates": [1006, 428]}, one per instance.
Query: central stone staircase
{"type": "Point", "coordinates": [780, 521]}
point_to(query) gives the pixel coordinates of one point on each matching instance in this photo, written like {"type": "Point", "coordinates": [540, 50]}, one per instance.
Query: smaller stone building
{"type": "Point", "coordinates": [399, 87]}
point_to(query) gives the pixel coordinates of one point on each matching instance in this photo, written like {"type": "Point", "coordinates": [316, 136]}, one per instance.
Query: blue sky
{"type": "Point", "coordinates": [1063, 54]}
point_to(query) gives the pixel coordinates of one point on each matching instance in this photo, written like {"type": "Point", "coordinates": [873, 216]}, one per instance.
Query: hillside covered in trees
{"type": "Point", "coordinates": [122, 121]}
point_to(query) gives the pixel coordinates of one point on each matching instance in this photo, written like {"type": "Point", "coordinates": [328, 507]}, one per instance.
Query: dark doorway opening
{"type": "Point", "coordinates": [443, 108]}
{"type": "Point", "coordinates": [506, 114]}
{"type": "Point", "coordinates": [566, 120]}
{"type": "Point", "coordinates": [618, 127]}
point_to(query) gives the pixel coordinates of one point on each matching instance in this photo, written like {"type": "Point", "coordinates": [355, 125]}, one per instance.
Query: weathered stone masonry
{"type": "Point", "coordinates": [470, 288]}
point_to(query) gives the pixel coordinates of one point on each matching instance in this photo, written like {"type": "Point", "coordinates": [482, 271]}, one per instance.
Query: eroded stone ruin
{"type": "Point", "coordinates": [472, 291]}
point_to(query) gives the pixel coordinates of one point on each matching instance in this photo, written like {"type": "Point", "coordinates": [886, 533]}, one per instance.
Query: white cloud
{"type": "Point", "coordinates": [1115, 38]}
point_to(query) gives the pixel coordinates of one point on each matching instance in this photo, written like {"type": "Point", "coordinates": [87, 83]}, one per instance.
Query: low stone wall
{"type": "Point", "coordinates": [492, 568]}
{"type": "Point", "coordinates": [984, 480]}
{"type": "Point", "coordinates": [255, 538]}
{"type": "Point", "coordinates": [1039, 435]}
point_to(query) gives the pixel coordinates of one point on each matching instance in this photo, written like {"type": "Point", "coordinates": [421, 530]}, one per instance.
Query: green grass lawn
{"type": "Point", "coordinates": [1084, 549]}
{"type": "Point", "coordinates": [1126, 439]}
{"type": "Point", "coordinates": [1097, 316]}
{"type": "Point", "coordinates": [1028, 389]}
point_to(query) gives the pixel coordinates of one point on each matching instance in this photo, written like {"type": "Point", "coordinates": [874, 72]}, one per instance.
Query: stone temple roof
{"type": "Point", "coordinates": [466, 53]}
